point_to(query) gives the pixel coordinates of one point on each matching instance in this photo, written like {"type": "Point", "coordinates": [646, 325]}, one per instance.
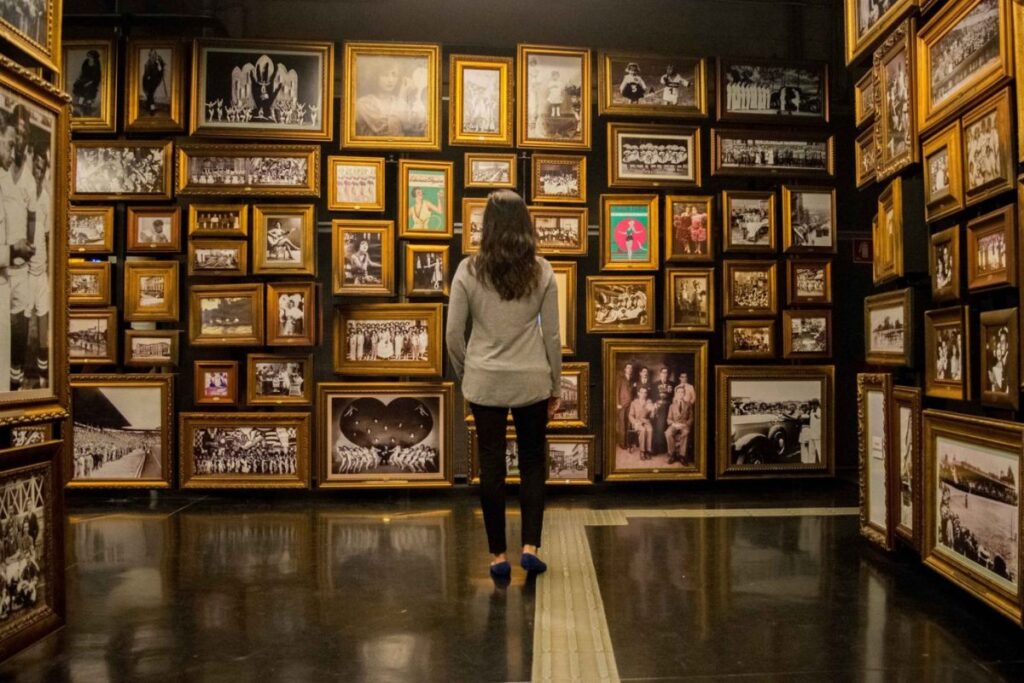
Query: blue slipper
{"type": "Point", "coordinates": [533, 564]}
{"type": "Point", "coordinates": [501, 570]}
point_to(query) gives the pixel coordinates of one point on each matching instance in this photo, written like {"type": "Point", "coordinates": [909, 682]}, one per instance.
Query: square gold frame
{"type": "Point", "coordinates": [253, 399]}
{"type": "Point", "coordinates": [596, 327]}
{"type": "Point", "coordinates": [950, 236]}
{"type": "Point", "coordinates": [669, 228]}
{"type": "Point", "coordinates": [672, 324]}
{"type": "Point", "coordinates": [106, 122]}
{"type": "Point", "coordinates": [101, 269]}
{"type": "Point", "coordinates": [134, 121]}
{"type": "Point", "coordinates": [544, 248]}
{"type": "Point", "coordinates": [134, 271]}
{"type": "Point", "coordinates": [605, 86]}
{"type": "Point", "coordinates": [404, 230]}
{"type": "Point", "coordinates": [133, 246]}
{"type": "Point", "coordinates": [901, 41]}
{"type": "Point", "coordinates": [165, 147]}
{"type": "Point", "coordinates": [906, 398]}
{"type": "Point", "coordinates": [788, 241]}
{"type": "Point", "coordinates": [642, 201]}
{"type": "Point", "coordinates": [457, 136]}
{"type": "Point", "coordinates": [887, 255]}
{"type": "Point", "coordinates": [946, 317]}
{"type": "Point", "coordinates": [172, 339]}
{"type": "Point", "coordinates": [787, 333]}
{"type": "Point", "coordinates": [510, 160]}
{"type": "Point", "coordinates": [882, 535]}
{"type": "Point", "coordinates": [577, 161]}
{"type": "Point", "coordinates": [107, 213]}
{"type": "Point", "coordinates": [727, 246]}
{"type": "Point", "coordinates": [999, 104]}
{"type": "Point", "coordinates": [858, 46]}
{"type": "Point", "coordinates": [864, 157]}
{"type": "Point", "coordinates": [903, 298]}
{"type": "Point", "coordinates": [241, 210]}
{"type": "Point", "coordinates": [1001, 220]}
{"type": "Point", "coordinates": [335, 203]}
{"type": "Point", "coordinates": [411, 250]}
{"type": "Point", "coordinates": [988, 319]}
{"type": "Point", "coordinates": [523, 53]}
{"type": "Point", "coordinates": [591, 443]}
{"type": "Point", "coordinates": [690, 133]}
{"type": "Point", "coordinates": [48, 55]}
{"type": "Point", "coordinates": [386, 230]}
{"type": "Point", "coordinates": [311, 314]}
{"type": "Point", "coordinates": [110, 315]}
{"type": "Point", "coordinates": [310, 187]}
{"type": "Point", "coordinates": [261, 215]}
{"type": "Point", "coordinates": [731, 309]}
{"type": "Point", "coordinates": [581, 371]}
{"type": "Point", "coordinates": [732, 352]}
{"type": "Point", "coordinates": [200, 368]}
{"type": "Point", "coordinates": [951, 201]}
{"type": "Point", "coordinates": [430, 312]}
{"type": "Point", "coordinates": [251, 291]}
{"type": "Point", "coordinates": [793, 297]}
{"type": "Point", "coordinates": [864, 99]}
{"type": "Point", "coordinates": [240, 247]}
{"type": "Point", "coordinates": [567, 270]}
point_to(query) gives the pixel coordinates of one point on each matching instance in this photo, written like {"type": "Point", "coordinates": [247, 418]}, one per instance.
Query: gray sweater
{"type": "Point", "coordinates": [514, 355]}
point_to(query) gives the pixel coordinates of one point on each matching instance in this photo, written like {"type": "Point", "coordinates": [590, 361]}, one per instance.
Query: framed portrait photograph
{"type": "Point", "coordinates": [574, 409]}
{"type": "Point", "coordinates": [88, 74]}
{"type": "Point", "coordinates": [35, 30]}
{"type": "Point", "coordinates": [279, 379]}
{"type": "Point", "coordinates": [653, 155]}
{"type": "Point", "coordinates": [226, 315]}
{"type": "Point", "coordinates": [774, 92]}
{"type": "Point", "coordinates": [651, 85]}
{"type": "Point", "coordinates": [90, 283]}
{"type": "Point", "coordinates": [121, 170]}
{"type": "Point", "coordinates": [473, 224]}
{"type": "Point", "coordinates": [887, 235]}
{"type": "Point", "coordinates": [150, 291]}
{"type": "Point", "coordinates": [558, 178]}
{"type": "Point", "coordinates": [212, 170]}
{"type": "Point", "coordinates": [388, 339]}
{"type": "Point", "coordinates": [865, 158]}
{"type": "Point", "coordinates": [629, 232]}
{"type": "Point", "coordinates": [874, 396]}
{"type": "Point", "coordinates": [943, 173]}
{"type": "Point", "coordinates": [864, 99]}
{"type": "Point", "coordinates": [889, 328]}
{"type": "Point", "coordinates": [988, 149]}
{"type": "Point", "coordinates": [689, 299]}
{"type": "Point", "coordinates": [1000, 348]}
{"type": "Point", "coordinates": [689, 231]}
{"type": "Point", "coordinates": [215, 383]}
{"type": "Point", "coordinates": [779, 420]}
{"type": "Point", "coordinates": [92, 336]}
{"type": "Point", "coordinates": [480, 113]}
{"type": "Point", "coordinates": [356, 184]}
{"type": "Point", "coordinates": [426, 270]}
{"type": "Point", "coordinates": [155, 80]}
{"type": "Point", "coordinates": [809, 282]}
{"type": "Point", "coordinates": [218, 220]}
{"type": "Point", "coordinates": [425, 199]}
{"type": "Point", "coordinates": [363, 257]}
{"type": "Point", "coordinates": [267, 89]}
{"type": "Point", "coordinates": [896, 125]}
{"type": "Point", "coordinates": [868, 20]}
{"type": "Point", "coordinates": [512, 472]}
{"type": "Point", "coordinates": [121, 430]}
{"type": "Point", "coordinates": [655, 409]}
{"type": "Point", "coordinates": [947, 353]}
{"type": "Point", "coordinates": [153, 230]}
{"type": "Point", "coordinates": [750, 339]}
{"type": "Point", "coordinates": [244, 450]}
{"type": "Point", "coordinates": [992, 250]}
{"type": "Point", "coordinates": [90, 230]}
{"type": "Point", "coordinates": [620, 304]}
{"type": "Point", "coordinates": [151, 348]}
{"type": "Point", "coordinates": [807, 334]}
{"type": "Point", "coordinates": [292, 314]}
{"type": "Point", "coordinates": [385, 434]}
{"type": "Point", "coordinates": [748, 221]}
{"type": "Point", "coordinates": [560, 230]}
{"type": "Point", "coordinates": [906, 460]}
{"type": "Point", "coordinates": [809, 219]}
{"type": "Point", "coordinates": [284, 239]}
{"type": "Point", "coordinates": [392, 96]}
{"type": "Point", "coordinates": [972, 493]}
{"type": "Point", "coordinates": [565, 279]}
{"type": "Point", "coordinates": [217, 258]}
{"type": "Point", "coordinates": [491, 171]}
{"type": "Point", "coordinates": [771, 153]}
{"type": "Point", "coordinates": [553, 97]}
{"type": "Point", "coordinates": [750, 288]}
{"type": "Point", "coordinates": [571, 459]}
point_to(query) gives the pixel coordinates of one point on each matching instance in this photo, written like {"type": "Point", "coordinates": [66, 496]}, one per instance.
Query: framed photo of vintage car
{"type": "Point", "coordinates": [558, 178]}
{"type": "Point", "coordinates": [388, 339]}
{"type": "Point", "coordinates": [218, 220]}
{"type": "Point", "coordinates": [809, 282]}
{"type": "Point", "coordinates": [620, 304]}
{"type": "Point", "coordinates": [293, 318]}
{"type": "Point", "coordinates": [655, 409]}
{"type": "Point", "coordinates": [153, 230]}
{"type": "Point", "coordinates": [988, 149]}
{"type": "Point", "coordinates": [999, 343]}
{"type": "Point", "coordinates": [151, 348]}
{"type": "Point", "coordinates": [992, 250]}
{"type": "Point", "coordinates": [284, 239]}
{"type": "Point", "coordinates": [944, 264]}
{"type": "Point", "coordinates": [88, 75]}
{"type": "Point", "coordinates": [905, 453]}
{"type": "Point", "coordinates": [947, 353]}
{"type": "Point", "coordinates": [122, 427]}
{"type": "Point", "coordinates": [780, 421]}
{"type": "Point", "coordinates": [887, 235]}
{"type": "Point", "coordinates": [750, 339]}
{"type": "Point", "coordinates": [233, 450]}
{"type": "Point", "coordinates": [363, 257]}
{"type": "Point", "coordinates": [565, 279]}
{"type": "Point", "coordinates": [561, 230]}
{"type": "Point", "coordinates": [807, 334]}
{"type": "Point", "coordinates": [491, 171]}
{"type": "Point", "coordinates": [809, 219]}
{"type": "Point", "coordinates": [874, 412]}
{"type": "Point", "coordinates": [571, 459]}
{"type": "Point", "coordinates": [391, 96]}
{"type": "Point", "coordinates": [689, 299]}
{"type": "Point", "coordinates": [426, 270]}
{"type": "Point", "coordinates": [748, 221]}
{"type": "Point", "coordinates": [513, 474]}
{"type": "Point", "coordinates": [865, 157]}
{"type": "Point", "coordinates": [867, 21]}
{"type": "Point", "coordinates": [356, 184]}
{"type": "Point", "coordinates": [92, 336]}
{"type": "Point", "coordinates": [629, 232]}
{"type": "Point", "coordinates": [274, 379]}
{"type": "Point", "coordinates": [653, 155]}
{"type": "Point", "coordinates": [750, 288]}
{"type": "Point", "coordinates": [864, 99]}
{"type": "Point", "coordinates": [217, 258]}
{"type": "Point", "coordinates": [121, 170]}
{"type": "Point", "coordinates": [773, 92]}
{"type": "Point", "coordinates": [896, 124]}
{"type": "Point", "coordinates": [155, 81]}
{"type": "Point", "coordinates": [425, 199]}
{"type": "Point", "coordinates": [235, 170]}
{"type": "Point", "coordinates": [480, 113]}
{"type": "Point", "coordinates": [150, 291]}
{"type": "Point", "coordinates": [553, 97]}
{"type": "Point", "coordinates": [215, 383]}
{"type": "Point", "coordinates": [90, 230]}
{"type": "Point", "coordinates": [689, 230]}
{"type": "Point", "coordinates": [226, 315]}
{"type": "Point", "coordinates": [651, 85]}
{"type": "Point", "coordinates": [415, 419]}
{"type": "Point", "coordinates": [574, 409]}
{"type": "Point", "coordinates": [90, 283]}
{"type": "Point", "coordinates": [943, 173]}
{"type": "Point", "coordinates": [889, 328]}
{"type": "Point", "coordinates": [771, 153]}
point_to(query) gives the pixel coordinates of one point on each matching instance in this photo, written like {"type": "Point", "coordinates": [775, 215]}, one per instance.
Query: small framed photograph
{"type": "Point", "coordinates": [90, 230]}
{"type": "Point", "coordinates": [491, 171]}
{"type": "Point", "coordinates": [992, 249]}
{"type": "Point", "coordinates": [574, 409]}
{"type": "Point", "coordinates": [887, 235]}
{"type": "Point", "coordinates": [553, 97]}
{"type": "Point", "coordinates": [90, 283]}
{"type": "Point", "coordinates": [426, 270]}
{"type": "Point", "coordinates": [217, 258]}
{"type": "Point", "coordinates": [651, 85]}
{"type": "Point", "coordinates": [279, 379]}
{"type": "Point", "coordinates": [284, 239]}
{"type": "Point", "coordinates": [947, 353]}
{"type": "Point", "coordinates": [512, 473]}
{"type": "Point", "coordinates": [226, 315]}
{"type": "Point", "coordinates": [866, 23]}
{"type": "Point", "coordinates": [889, 328]}
{"type": "Point", "coordinates": [218, 220]}
{"type": "Point", "coordinates": [653, 155]}
{"type": "Point", "coordinates": [480, 113]}
{"type": "Point", "coordinates": [750, 288]}
{"type": "Point", "coordinates": [809, 219]}
{"type": "Point", "coordinates": [1000, 348]}
{"type": "Point", "coordinates": [121, 170]}
{"type": "Point", "coordinates": [233, 170]}
{"type": "Point", "coordinates": [388, 339]}
{"type": "Point", "coordinates": [943, 173]}
{"type": "Point", "coordinates": [88, 74]}
{"type": "Point", "coordinates": [865, 161]}
{"type": "Point", "coordinates": [216, 383]}
{"type": "Point", "coordinates": [864, 99]}
{"type": "Point", "coordinates": [750, 339]}
{"type": "Point", "coordinates": [571, 459]}
{"type": "Point", "coordinates": [473, 224]}
{"type": "Point", "coordinates": [690, 300]}
{"type": "Point", "coordinates": [561, 230]}
{"type": "Point", "coordinates": [559, 178]}
{"type": "Point", "coordinates": [154, 101]}
{"type": "Point", "coordinates": [356, 184]}
{"type": "Point", "coordinates": [689, 233]}
{"type": "Point", "coordinates": [773, 92]}
{"type": "Point", "coordinates": [292, 314]}
{"type": "Point", "coordinates": [809, 282]}
{"type": "Point", "coordinates": [244, 450]}
{"type": "Point", "coordinates": [425, 199]}
{"type": "Point", "coordinates": [620, 304]}
{"type": "Point", "coordinates": [905, 451]}
{"type": "Point", "coordinates": [154, 230]}
{"type": "Point", "coordinates": [92, 336]}
{"type": "Point", "coordinates": [30, 435]}
{"type": "Point", "coordinates": [363, 257]}
{"type": "Point", "coordinates": [896, 125]}
{"type": "Point", "coordinates": [748, 221]}
{"type": "Point", "coordinates": [565, 279]}
{"type": "Point", "coordinates": [629, 232]}
{"type": "Point", "coordinates": [988, 149]}
{"type": "Point", "coordinates": [747, 153]}
{"type": "Point", "coordinates": [807, 334]}
{"type": "Point", "coordinates": [874, 395]}
{"type": "Point", "coordinates": [151, 348]}
{"type": "Point", "coordinates": [151, 291]}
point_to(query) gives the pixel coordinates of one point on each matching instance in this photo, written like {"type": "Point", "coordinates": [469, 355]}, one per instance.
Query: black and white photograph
{"type": "Point", "coordinates": [490, 173]}
{"type": "Point", "coordinates": [134, 169]}
{"type": "Point", "coordinates": [750, 220]}
{"type": "Point", "coordinates": [90, 231]}
{"type": "Point", "coordinates": [651, 85]}
{"type": "Point", "coordinates": [219, 221]}
{"type": "Point", "coordinates": [750, 339]}
{"type": "Point", "coordinates": [85, 285]}
{"type": "Point", "coordinates": [357, 183]}
{"type": "Point", "coordinates": [938, 174]}
{"type": "Point", "coordinates": [390, 93]}
{"type": "Point", "coordinates": [898, 109]}
{"type": "Point", "coordinates": [279, 378]}
{"type": "Point", "coordinates": [650, 155]}
{"type": "Point", "coordinates": [990, 254]}
{"type": "Point", "coordinates": [740, 152]}
{"type": "Point", "coordinates": [569, 403]}
{"type": "Point", "coordinates": [995, 378]}
{"type": "Point", "coordinates": [869, 12]}
{"type": "Point", "coordinates": [808, 334]}
{"type": "Point", "coordinates": [810, 281]}
{"type": "Point", "coordinates": [30, 435]}
{"type": "Point", "coordinates": [284, 241]}
{"type": "Point", "coordinates": [948, 359]}
{"type": "Point", "coordinates": [89, 337]}
{"type": "Point", "coordinates": [620, 304]}
{"type": "Point", "coordinates": [887, 330]}
{"type": "Point", "coordinates": [984, 152]}
{"type": "Point", "coordinates": [810, 223]}
{"type": "Point", "coordinates": [775, 421]}
{"type": "Point", "coordinates": [32, 19]}
{"type": "Point", "coordinates": [559, 178]}
{"type": "Point", "coordinates": [483, 99]}
{"type": "Point", "coordinates": [154, 230]}
{"type": "Point", "coordinates": [387, 340]}
{"type": "Point", "coordinates": [211, 257]}
{"type": "Point", "coordinates": [155, 81]}
{"type": "Point", "coordinates": [429, 270]}
{"type": "Point", "coordinates": [248, 171]}
{"type": "Point", "coordinates": [364, 258]}
{"type": "Point", "coordinates": [512, 474]}
{"type": "Point", "coordinates": [966, 50]}
{"type": "Point", "coordinates": [254, 450]}
{"type": "Point", "coordinates": [88, 76]}
{"type": "Point", "coordinates": [226, 316]}
{"type": "Point", "coordinates": [569, 458]}
{"type": "Point", "coordinates": [26, 535]}
{"type": "Point", "coordinates": [554, 97]}
{"type": "Point", "coordinates": [905, 425]}
{"type": "Point", "coordinates": [152, 291]}
{"type": "Point", "coordinates": [751, 289]}
{"type": "Point", "coordinates": [143, 350]}
{"type": "Point", "coordinates": [291, 308]}
{"type": "Point", "coordinates": [558, 233]}
{"type": "Point", "coordinates": [692, 299]}
{"type": "Point", "coordinates": [772, 92]}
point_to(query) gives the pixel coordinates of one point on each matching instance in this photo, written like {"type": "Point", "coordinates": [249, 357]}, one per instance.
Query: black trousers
{"type": "Point", "coordinates": [531, 424]}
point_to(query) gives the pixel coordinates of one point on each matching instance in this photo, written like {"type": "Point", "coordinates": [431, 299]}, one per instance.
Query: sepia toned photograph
{"type": "Point", "coordinates": [690, 300]}
{"type": "Point", "coordinates": [92, 336]}
{"type": "Point", "coordinates": [896, 128]}
{"type": "Point", "coordinates": [30, 435]}
{"type": "Point", "coordinates": [150, 291]}
{"type": "Point", "coordinates": [248, 169]}
{"type": "Point", "coordinates": [888, 328]}
{"type": "Point", "coordinates": [91, 230]}
{"type": "Point", "coordinates": [807, 334]}
{"type": "Point", "coordinates": [473, 224]}
{"type": "Point", "coordinates": [553, 97]}
{"type": "Point", "coordinates": [284, 239]}
{"type": "Point", "coordinates": [865, 158]}
{"type": "Point", "coordinates": [492, 171]}
{"type": "Point", "coordinates": [121, 169]}
{"type": "Point", "coordinates": [749, 339]}
{"type": "Point", "coordinates": [388, 339]}
{"type": "Point", "coordinates": [749, 288]}
{"type": "Point", "coordinates": [426, 270]}
{"type": "Point", "coordinates": [355, 184]}
{"type": "Point", "coordinates": [565, 273]}
{"type": "Point", "coordinates": [992, 249]}
{"type": "Point", "coordinates": [651, 85]}
{"type": "Point", "coordinates": [216, 382]}
{"type": "Point", "coordinates": [154, 101]}
{"type": "Point", "coordinates": [559, 178]}
{"type": "Point", "coordinates": [868, 20]}
{"type": "Point", "coordinates": [772, 92]}
{"type": "Point", "coordinates": [629, 232]}
{"type": "Point", "coordinates": [226, 315]}
{"type": "Point", "coordinates": [217, 258]}
{"type": "Point", "coordinates": [745, 153]}
{"type": "Point", "coordinates": [154, 230]}
{"type": "Point", "coordinates": [947, 355]}
{"type": "Point", "coordinates": [809, 282]}
{"type": "Point", "coordinates": [1000, 348]}
{"type": "Point", "coordinates": [512, 473]}
{"type": "Point", "coordinates": [620, 303]}
{"type": "Point", "coordinates": [887, 235]}
{"type": "Point", "coordinates": [560, 230]}
{"type": "Point", "coordinates": [363, 257]}
{"type": "Point", "coordinates": [574, 398]}
{"type": "Point", "coordinates": [748, 221]}
{"type": "Point", "coordinates": [90, 283]}
{"type": "Point", "coordinates": [874, 397]}
{"type": "Point", "coordinates": [988, 149]}
{"type": "Point", "coordinates": [480, 113]}
{"type": "Point", "coordinates": [653, 155]}
{"type": "Point", "coordinates": [89, 76]}
{"type": "Point", "coordinates": [689, 232]}
{"type": "Point", "coordinates": [943, 172]}
{"type": "Point", "coordinates": [864, 99]}
{"type": "Point", "coordinates": [808, 219]}
{"type": "Point", "coordinates": [279, 379]}
{"type": "Point", "coordinates": [425, 199]}
{"type": "Point", "coordinates": [33, 27]}
{"type": "Point", "coordinates": [292, 314]}
{"type": "Point", "coordinates": [905, 437]}
{"type": "Point", "coordinates": [218, 220]}
{"type": "Point", "coordinates": [151, 348]}
{"type": "Point", "coordinates": [571, 459]}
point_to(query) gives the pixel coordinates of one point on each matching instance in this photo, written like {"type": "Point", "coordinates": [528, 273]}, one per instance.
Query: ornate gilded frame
{"type": "Point", "coordinates": [48, 53]}
{"type": "Point", "coordinates": [887, 256]}
{"type": "Point", "coordinates": [582, 216]}
{"type": "Point", "coordinates": [730, 307]}
{"type": "Point", "coordinates": [727, 199]}
{"type": "Point", "coordinates": [386, 230]}
{"type": "Point", "coordinates": [200, 368]}
{"type": "Point", "coordinates": [596, 327]}
{"type": "Point", "coordinates": [405, 166]}
{"type": "Point", "coordinates": [950, 236]}
{"type": "Point", "coordinates": [646, 202]}
{"type": "Point", "coordinates": [577, 161]}
{"type": "Point", "coordinates": [793, 297]}
{"type": "Point", "coordinates": [252, 398]}
{"type": "Point", "coordinates": [732, 352]}
{"type": "Point", "coordinates": [335, 164]}
{"type": "Point", "coordinates": [591, 444]}
{"type": "Point", "coordinates": [788, 241]}
{"type": "Point", "coordinates": [251, 291]}
{"type": "Point", "coordinates": [311, 318]}
{"type": "Point", "coordinates": [697, 74]}
{"type": "Point", "coordinates": [948, 389]}
{"type": "Point", "coordinates": [165, 147]}
{"type": "Point", "coordinates": [509, 160]}
{"type": "Point", "coordinates": [261, 215]}
{"type": "Point", "coordinates": [669, 228]}
{"type": "Point", "coordinates": [900, 42]}
{"type": "Point", "coordinates": [1002, 220]}
{"type": "Point", "coordinates": [106, 122]}
{"type": "Point", "coordinates": [133, 120]}
{"type": "Point", "coordinates": [581, 371]}
{"type": "Point", "coordinates": [431, 313]}
{"type": "Point", "coordinates": [787, 333]}
{"type": "Point", "coordinates": [240, 210]}
{"type": "Point", "coordinates": [101, 269]}
{"type": "Point", "coordinates": [777, 118]}
{"type": "Point", "coordinates": [987, 320]}
{"type": "Point", "coordinates": [689, 133]}
{"type": "Point", "coordinates": [134, 271]}
{"type": "Point", "coordinates": [567, 270]}
{"type": "Point", "coordinates": [858, 46]}
{"type": "Point", "coordinates": [881, 534]}
{"type": "Point", "coordinates": [909, 399]}
{"type": "Point", "coordinates": [718, 167]}
{"type": "Point", "coordinates": [523, 55]}
{"type": "Point", "coordinates": [189, 151]}
{"type": "Point", "coordinates": [1000, 105]}
{"type": "Point", "coordinates": [951, 201]}
{"type": "Point", "coordinates": [411, 251]}
{"type": "Point", "coordinates": [457, 135]}
{"type": "Point", "coordinates": [109, 314]}
{"type": "Point", "coordinates": [672, 322]}
{"type": "Point", "coordinates": [132, 243]}
{"type": "Point", "coordinates": [903, 298]}
{"type": "Point", "coordinates": [241, 253]}
{"type": "Point", "coordinates": [865, 157]}
{"type": "Point", "coordinates": [170, 335]}
{"type": "Point", "coordinates": [107, 213]}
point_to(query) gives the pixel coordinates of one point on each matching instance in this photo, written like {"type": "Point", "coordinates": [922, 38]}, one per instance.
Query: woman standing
{"type": "Point", "coordinates": [513, 361]}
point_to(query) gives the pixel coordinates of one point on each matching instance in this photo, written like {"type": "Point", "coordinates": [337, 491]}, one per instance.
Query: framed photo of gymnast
{"type": "Point", "coordinates": [473, 224]}
{"type": "Point", "coordinates": [689, 230]}
{"type": "Point", "coordinates": [653, 155]}
{"type": "Point", "coordinates": [89, 76]}
{"type": "Point", "coordinates": [491, 171]}
{"type": "Point", "coordinates": [356, 184]}
{"type": "Point", "coordinates": [992, 250]}
{"type": "Point", "coordinates": [90, 230]}
{"type": "Point", "coordinates": [121, 170]}
{"type": "Point", "coordinates": [151, 348]}
{"type": "Point", "coordinates": [943, 173]}
{"type": "Point", "coordinates": [571, 459]}
{"type": "Point", "coordinates": [574, 410]}
{"type": "Point", "coordinates": [154, 230]}
{"type": "Point", "coordinates": [293, 317]}
{"type": "Point", "coordinates": [565, 279]}
{"type": "Point", "coordinates": [651, 85]}
{"type": "Point", "coordinates": [218, 220]}
{"type": "Point", "coordinates": [385, 434]}
{"type": "Point", "coordinates": [226, 315]}
{"type": "Point", "coordinates": [244, 450]}
{"type": "Point", "coordinates": [865, 157]}
{"type": "Point", "coordinates": [284, 239]}
{"type": "Point", "coordinates": [988, 149]}
{"type": "Point", "coordinates": [809, 282]}
{"type": "Point", "coordinates": [217, 258]}
{"type": "Point", "coordinates": [629, 232]}
{"type": "Point", "coordinates": [553, 97]}
{"type": "Point", "coordinates": [558, 178]}
{"type": "Point", "coordinates": [151, 291]}
{"type": "Point", "coordinates": [620, 304]}
{"type": "Point", "coordinates": [512, 474]}
{"type": "Point", "coordinates": [748, 221]}
{"type": "Point", "coordinates": [215, 383]}
{"type": "Point", "coordinates": [690, 300]}
{"type": "Point", "coordinates": [655, 409]}
{"type": "Point", "coordinates": [425, 199]}
{"type": "Point", "coordinates": [234, 170]}
{"type": "Point", "coordinates": [154, 101]}
{"type": "Point", "coordinates": [561, 230]}
{"type": "Point", "coordinates": [392, 96]}
{"type": "Point", "coordinates": [279, 379]}
{"type": "Point", "coordinates": [750, 339]}
{"type": "Point", "coordinates": [947, 353]}
{"type": "Point", "coordinates": [388, 339]}
{"type": "Point", "coordinates": [480, 112]}
{"type": "Point", "coordinates": [92, 336]}
{"type": "Point", "coordinates": [426, 270]}
{"type": "Point", "coordinates": [896, 126]}
{"type": "Point", "coordinates": [363, 257]}
{"type": "Point", "coordinates": [773, 92]}
{"type": "Point", "coordinates": [90, 283]}
{"type": "Point", "coordinates": [750, 288]}
{"type": "Point", "coordinates": [1000, 350]}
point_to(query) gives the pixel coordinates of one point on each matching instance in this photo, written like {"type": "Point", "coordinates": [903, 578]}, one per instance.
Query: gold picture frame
{"type": "Point", "coordinates": [943, 173]}
{"type": "Point", "coordinates": [896, 141]}
{"type": "Point", "coordinates": [573, 164]}
{"type": "Point", "coordinates": [293, 314]}
{"type": "Point", "coordinates": [864, 157]}
{"type": "Point", "coordinates": [684, 311]}
{"type": "Point", "coordinates": [558, 465]}
{"type": "Point", "coordinates": [160, 345]}
{"type": "Point", "coordinates": [889, 328]}
{"type": "Point", "coordinates": [215, 383]}
{"type": "Point", "coordinates": [1018, 42]}
{"type": "Point", "coordinates": [247, 171]}
{"type": "Point", "coordinates": [554, 225]}
{"type": "Point", "coordinates": [92, 336]}
{"type": "Point", "coordinates": [804, 220]}
{"type": "Point", "coordinates": [887, 235]}
{"type": "Point", "coordinates": [111, 153]}
{"type": "Point", "coordinates": [414, 176]}
{"type": "Point", "coordinates": [45, 49]}
{"type": "Point", "coordinates": [864, 99]}
{"type": "Point", "coordinates": [218, 220]}
{"type": "Point", "coordinates": [349, 192]}
{"type": "Point", "coordinates": [689, 74]}
{"type": "Point", "coordinates": [635, 313]}
{"type": "Point", "coordinates": [572, 126]}
{"type": "Point", "coordinates": [999, 349]}
{"type": "Point", "coordinates": [689, 228]}
{"type": "Point", "coordinates": [138, 216]}
{"type": "Point", "coordinates": [944, 264]}
{"type": "Point", "coordinates": [239, 302]}
{"type": "Point", "coordinates": [574, 410]}
{"type": "Point", "coordinates": [802, 276]}
{"type": "Point", "coordinates": [947, 352]}
{"type": "Point", "coordinates": [77, 84]}
{"type": "Point", "coordinates": [501, 174]}
{"type": "Point", "coordinates": [750, 339]}
{"type": "Point", "coordinates": [150, 118]}
{"type": "Point", "coordinates": [358, 275]}
{"type": "Point", "coordinates": [763, 240]}
{"type": "Point", "coordinates": [863, 32]}
{"type": "Point", "coordinates": [151, 290]}
{"type": "Point", "coordinates": [739, 153]}
{"type": "Point", "coordinates": [83, 236]}
{"type": "Point", "coordinates": [512, 472]}
{"type": "Point", "coordinates": [753, 304]}
{"type": "Point", "coordinates": [426, 276]}
{"type": "Point", "coordinates": [985, 180]}
{"type": "Point", "coordinates": [422, 318]}
{"type": "Point", "coordinates": [776, 77]}
{"type": "Point", "coordinates": [873, 447]}
{"type": "Point", "coordinates": [565, 278]}
{"type": "Point", "coordinates": [207, 258]}
{"type": "Point", "coordinates": [290, 258]}
{"type": "Point", "coordinates": [995, 235]}
{"type": "Point", "coordinates": [496, 128]}
{"type": "Point", "coordinates": [81, 274]}
{"type": "Point", "coordinates": [808, 341]}
{"type": "Point", "coordinates": [905, 451]}
{"type": "Point", "coordinates": [686, 168]}
{"type": "Point", "coordinates": [276, 386]}
{"type": "Point", "coordinates": [473, 224]}
{"type": "Point", "coordinates": [621, 215]}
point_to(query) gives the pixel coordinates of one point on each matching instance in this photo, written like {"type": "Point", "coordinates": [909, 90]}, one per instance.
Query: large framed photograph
{"type": "Point", "coordinates": [363, 257]}
{"type": "Point", "coordinates": [750, 339]}
{"type": "Point", "coordinates": [750, 288]}
{"type": "Point", "coordinates": [690, 300]}
{"type": "Point", "coordinates": [388, 339]}
{"type": "Point", "coordinates": [620, 304]}
{"type": "Point", "coordinates": [92, 337]}
{"type": "Point", "coordinates": [121, 170]}
{"type": "Point", "coordinates": [809, 219]}
{"type": "Point", "coordinates": [558, 178]}
{"type": "Point", "coordinates": [218, 220]}
{"type": "Point", "coordinates": [689, 231]}
{"type": "Point", "coordinates": [426, 270]}
{"type": "Point", "coordinates": [887, 235]}
{"type": "Point", "coordinates": [748, 221]}
{"type": "Point", "coordinates": [279, 379]}
{"type": "Point", "coordinates": [992, 250]}
{"type": "Point", "coordinates": [561, 230]}
{"type": "Point", "coordinates": [868, 20]}
{"type": "Point", "coordinates": [356, 184]}
{"type": "Point", "coordinates": [947, 353]}
{"type": "Point", "coordinates": [425, 199]}
{"type": "Point", "coordinates": [779, 419]}
{"type": "Point", "coordinates": [864, 99]}
{"type": "Point", "coordinates": [553, 97]}
{"type": "Point", "coordinates": [151, 348]}
{"type": "Point", "coordinates": [90, 283]}
{"type": "Point", "coordinates": [1000, 347]}
{"type": "Point", "coordinates": [480, 113]}
{"type": "Point", "coordinates": [943, 173]}
{"type": "Point", "coordinates": [574, 409]}
{"type": "Point", "coordinates": [284, 239]}
{"type": "Point", "coordinates": [972, 492]}
{"type": "Point", "coordinates": [571, 459]}
{"type": "Point", "coordinates": [217, 258]}
{"type": "Point", "coordinates": [944, 264]}
{"type": "Point", "coordinates": [151, 291]}
{"type": "Point", "coordinates": [906, 459]}
{"type": "Point", "coordinates": [215, 383]}
{"type": "Point", "coordinates": [244, 450]}
{"type": "Point", "coordinates": [35, 30]}
{"type": "Point", "coordinates": [392, 96]}
{"type": "Point", "coordinates": [807, 334]}
{"type": "Point", "coordinates": [651, 85]}
{"type": "Point", "coordinates": [491, 171]}
{"type": "Point", "coordinates": [889, 328]}
{"type": "Point", "coordinates": [267, 89]}
{"type": "Point", "coordinates": [565, 280]}
{"type": "Point", "coordinates": [865, 158]}
{"type": "Point", "coordinates": [121, 431]}
{"type": "Point", "coordinates": [629, 232]}
{"type": "Point", "coordinates": [385, 434]}
{"type": "Point", "coordinates": [809, 282]}
{"type": "Point", "coordinates": [293, 317]}
{"type": "Point", "coordinates": [226, 315]}
{"type": "Point", "coordinates": [988, 149]}
{"type": "Point", "coordinates": [90, 230]}
{"type": "Point", "coordinates": [874, 411]}
{"type": "Point", "coordinates": [655, 409]}
{"type": "Point", "coordinates": [896, 126]}
{"type": "Point", "coordinates": [653, 155]}
{"type": "Point", "coordinates": [771, 153]}
{"type": "Point", "coordinates": [209, 170]}
{"type": "Point", "coordinates": [775, 92]}
{"type": "Point", "coordinates": [154, 99]}
{"type": "Point", "coordinates": [153, 230]}
{"type": "Point", "coordinates": [89, 76]}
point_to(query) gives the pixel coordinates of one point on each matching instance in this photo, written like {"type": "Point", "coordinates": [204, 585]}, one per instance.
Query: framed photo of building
{"type": "Point", "coordinates": [748, 221]}
{"type": "Point", "coordinates": [629, 232]}
{"type": "Point", "coordinates": [267, 89]}
{"type": "Point", "coordinates": [809, 219]}
{"type": "Point", "coordinates": [947, 353]}
{"type": "Point", "coordinates": [215, 383]}
{"type": "Point", "coordinates": [121, 170]}
{"type": "Point", "coordinates": [90, 283]}
{"type": "Point", "coordinates": [750, 339]}
{"type": "Point", "coordinates": [558, 178]}
{"type": "Point", "coordinates": [571, 459]}
{"type": "Point", "coordinates": [218, 220]}
{"type": "Point", "coordinates": [689, 230]}
{"type": "Point", "coordinates": [212, 170]}
{"type": "Point", "coordinates": [88, 74]}
{"type": "Point", "coordinates": [244, 450]}
{"type": "Point", "coordinates": [653, 155]}
{"type": "Point", "coordinates": [363, 257]}
{"type": "Point", "coordinates": [690, 300]}
{"type": "Point", "coordinates": [809, 282]}
{"type": "Point", "coordinates": [651, 85]}
{"type": "Point", "coordinates": [561, 230]}
{"type": "Point", "coordinates": [217, 258]}
{"type": "Point", "coordinates": [620, 304]}
{"type": "Point", "coordinates": [392, 96]}
{"type": "Point", "coordinates": [279, 379]}
{"type": "Point", "coordinates": [807, 334]}
{"type": "Point", "coordinates": [491, 171]}
{"type": "Point", "coordinates": [151, 348]}
{"type": "Point", "coordinates": [992, 250]}
{"type": "Point", "coordinates": [154, 101]}
{"type": "Point", "coordinates": [150, 291]}
{"type": "Point", "coordinates": [388, 339]}
{"type": "Point", "coordinates": [284, 239]}
{"type": "Point", "coordinates": [874, 411]}
{"type": "Point", "coordinates": [226, 315]}
{"type": "Point", "coordinates": [655, 410]}
{"type": "Point", "coordinates": [750, 288]}
{"type": "Point", "coordinates": [385, 434]}
{"type": "Point", "coordinates": [90, 230]}
{"type": "Point", "coordinates": [943, 173]}
{"type": "Point", "coordinates": [889, 328]}
{"type": "Point", "coordinates": [988, 149]}
{"type": "Point", "coordinates": [473, 224]}
{"type": "Point", "coordinates": [896, 126]}
{"type": "Point", "coordinates": [356, 184]}
{"type": "Point", "coordinates": [480, 112]}
{"type": "Point", "coordinates": [292, 314]}
{"type": "Point", "coordinates": [92, 336]}
{"type": "Point", "coordinates": [944, 264]}
{"type": "Point", "coordinates": [153, 230]}
{"type": "Point", "coordinates": [774, 92]}
{"type": "Point", "coordinates": [553, 97]}
{"type": "Point", "coordinates": [426, 270]}
{"type": "Point", "coordinates": [121, 430]}
{"type": "Point", "coordinates": [40, 40]}
{"type": "Point", "coordinates": [864, 99]}
{"type": "Point", "coordinates": [887, 235]}
{"type": "Point", "coordinates": [425, 199]}
{"type": "Point", "coordinates": [867, 21]}
{"type": "Point", "coordinates": [905, 454]}
{"type": "Point", "coordinates": [771, 153]}
{"type": "Point", "coordinates": [574, 410]}
{"type": "Point", "coordinates": [865, 157]}
{"type": "Point", "coordinates": [512, 472]}
{"type": "Point", "coordinates": [1000, 348]}
{"type": "Point", "coordinates": [565, 279]}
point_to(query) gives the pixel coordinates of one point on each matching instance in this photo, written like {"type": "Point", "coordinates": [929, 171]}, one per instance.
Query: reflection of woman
{"type": "Point", "coordinates": [397, 107]}
{"type": "Point", "coordinates": [421, 210]}
{"type": "Point", "coordinates": [87, 85]}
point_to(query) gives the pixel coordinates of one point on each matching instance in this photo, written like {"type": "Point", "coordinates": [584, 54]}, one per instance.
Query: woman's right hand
{"type": "Point", "coordinates": [553, 405]}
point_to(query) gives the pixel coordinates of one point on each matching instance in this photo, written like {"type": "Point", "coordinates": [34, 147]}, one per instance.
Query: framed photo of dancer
{"type": "Point", "coordinates": [565, 278]}
{"type": "Point", "coordinates": [151, 348]}
{"type": "Point", "coordinates": [558, 178]}
{"type": "Point", "coordinates": [153, 92]}
{"type": "Point", "coordinates": [492, 171]}
{"type": "Point", "coordinates": [480, 113]}
{"type": "Point", "coordinates": [553, 97]}
{"type": "Point", "coordinates": [212, 170]}
{"type": "Point", "coordinates": [988, 149]}
{"type": "Point", "coordinates": [284, 239]}
{"type": "Point", "coordinates": [151, 291]}
{"type": "Point", "coordinates": [889, 328]}
{"type": "Point", "coordinates": [385, 434]}
{"type": "Point", "coordinates": [279, 379]}
{"type": "Point", "coordinates": [1000, 348]}
{"type": "Point", "coordinates": [896, 126]}
{"type": "Point", "coordinates": [874, 396]}
{"type": "Point", "coordinates": [992, 250]}
{"type": "Point", "coordinates": [690, 300]}
{"type": "Point", "coordinates": [426, 270]}
{"type": "Point", "coordinates": [906, 461]}
{"type": "Point", "coordinates": [218, 220]}
{"type": "Point", "coordinates": [865, 157]}
{"type": "Point", "coordinates": [571, 459]}
{"type": "Point", "coordinates": [947, 353]}
{"type": "Point", "coordinates": [943, 173]}
{"type": "Point", "coordinates": [807, 334]}
{"type": "Point", "coordinates": [89, 76]}
{"type": "Point", "coordinates": [655, 409]}
{"type": "Point", "coordinates": [689, 230]}
{"type": "Point", "coordinates": [425, 199]}
{"type": "Point", "coordinates": [750, 288]}
{"type": "Point", "coordinates": [867, 21]}
{"type": "Point", "coordinates": [864, 99]}
{"type": "Point", "coordinates": [363, 257]}
{"type": "Point", "coordinates": [512, 473]}
{"type": "Point", "coordinates": [121, 170]}
{"type": "Point", "coordinates": [40, 40]}
{"type": "Point", "coordinates": [293, 318]}
{"type": "Point", "coordinates": [748, 221]}
{"type": "Point", "coordinates": [215, 383]}
{"type": "Point", "coordinates": [561, 230]}
{"type": "Point", "coordinates": [809, 219]}
{"type": "Point", "coordinates": [651, 85]}
{"type": "Point", "coordinates": [90, 283]}
{"type": "Point", "coordinates": [388, 339]}
{"type": "Point", "coordinates": [217, 258]}
{"type": "Point", "coordinates": [750, 339]}
{"type": "Point", "coordinates": [356, 184]}
{"type": "Point", "coordinates": [154, 230]}
{"type": "Point", "coordinates": [809, 282]}
{"type": "Point", "coordinates": [629, 232]}
{"type": "Point", "coordinates": [226, 315]}
{"type": "Point", "coordinates": [92, 336]}
{"type": "Point", "coordinates": [774, 92]}
{"type": "Point", "coordinates": [90, 230]}
{"type": "Point", "coordinates": [620, 304]}
{"type": "Point", "coordinates": [653, 155]}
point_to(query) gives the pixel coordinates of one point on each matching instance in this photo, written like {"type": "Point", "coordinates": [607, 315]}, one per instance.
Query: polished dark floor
{"type": "Point", "coordinates": [376, 587]}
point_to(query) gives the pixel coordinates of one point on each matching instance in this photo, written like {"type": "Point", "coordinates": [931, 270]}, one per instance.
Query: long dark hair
{"type": "Point", "coordinates": [508, 249]}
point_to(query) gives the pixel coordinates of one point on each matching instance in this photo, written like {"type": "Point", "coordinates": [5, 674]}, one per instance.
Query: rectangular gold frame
{"type": "Point", "coordinates": [239, 246]}
{"type": "Point", "coordinates": [673, 274]}
{"type": "Point", "coordinates": [591, 443]}
{"type": "Point", "coordinates": [170, 335]}
{"type": "Point", "coordinates": [404, 231]}
{"type": "Point", "coordinates": [165, 147]}
{"type": "Point", "coordinates": [595, 327]}
{"type": "Point", "coordinates": [458, 137]}
{"type": "Point", "coordinates": [334, 203]}
{"type": "Point", "coordinates": [864, 99]}
{"type": "Point", "coordinates": [261, 213]}
{"type": "Point", "coordinates": [730, 308]}
{"type": "Point", "coordinates": [949, 138]}
{"type": "Point", "coordinates": [727, 245]}
{"type": "Point", "coordinates": [823, 137]}
{"type": "Point", "coordinates": [474, 455]}
{"type": "Point", "coordinates": [698, 77]}
{"type": "Point", "coordinates": [1001, 105]}
{"type": "Point", "coordinates": [1009, 317]}
{"type": "Point", "coordinates": [1004, 220]}
{"type": "Point", "coordinates": [909, 398]}
{"type": "Point", "coordinates": [311, 329]}
{"type": "Point", "coordinates": [251, 397]}
{"type": "Point", "coordinates": [729, 339]}
{"type": "Point", "coordinates": [886, 163]}
{"type": "Point", "coordinates": [194, 150]}
{"type": "Point", "coordinates": [47, 54]}
{"type": "Point", "coordinates": [386, 229]}
{"type": "Point", "coordinates": [956, 391]}
{"type": "Point", "coordinates": [133, 121]}
{"type": "Point", "coordinates": [252, 291]}
{"type": "Point", "coordinates": [102, 271]}
{"type": "Point", "coordinates": [133, 246]}
{"type": "Point", "coordinates": [952, 237]}
{"type": "Point", "coordinates": [410, 254]}
{"type": "Point", "coordinates": [523, 52]}
{"type": "Point", "coordinates": [670, 254]}
{"type": "Point", "coordinates": [468, 205]}
{"type": "Point", "coordinates": [904, 299]}
{"type": "Point", "coordinates": [787, 333]}
{"type": "Point", "coordinates": [582, 371]}
{"type": "Point", "coordinates": [858, 46]}
{"type": "Point", "coordinates": [777, 118]}
{"type": "Point", "coordinates": [793, 298]}
{"type": "Point", "coordinates": [887, 262]}
{"type": "Point", "coordinates": [110, 314]}
{"type": "Point", "coordinates": [883, 536]}
{"type": "Point", "coordinates": [580, 213]}
{"type": "Point", "coordinates": [615, 130]}
{"type": "Point", "coordinates": [510, 159]}
{"type": "Point", "coordinates": [788, 243]}
{"type": "Point", "coordinates": [106, 122]}
{"type": "Point", "coordinates": [190, 480]}
{"type": "Point", "coordinates": [648, 201]}
{"type": "Point", "coordinates": [200, 367]}
{"type": "Point", "coordinates": [432, 367]}
{"type": "Point", "coordinates": [1018, 42]}
{"type": "Point", "coordinates": [243, 220]}
{"type": "Point", "coordinates": [570, 270]}
{"type": "Point", "coordinates": [864, 148]}
{"type": "Point", "coordinates": [136, 269]}
{"type": "Point", "coordinates": [107, 212]}
{"type": "Point", "coordinates": [577, 160]}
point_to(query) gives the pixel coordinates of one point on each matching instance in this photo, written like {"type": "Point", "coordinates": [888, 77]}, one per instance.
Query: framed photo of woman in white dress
{"type": "Point", "coordinates": [425, 199]}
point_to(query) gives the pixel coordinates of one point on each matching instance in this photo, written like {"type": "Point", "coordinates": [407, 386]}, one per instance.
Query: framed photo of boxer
{"type": "Point", "coordinates": [121, 170]}
{"type": "Point", "coordinates": [689, 229]}
{"type": "Point", "coordinates": [565, 279]}
{"type": "Point", "coordinates": [651, 85]}
{"type": "Point", "coordinates": [629, 232]}
{"type": "Point", "coordinates": [154, 230]}
{"type": "Point", "coordinates": [558, 178]}
{"type": "Point", "coordinates": [218, 220]}
{"type": "Point", "coordinates": [216, 383]}
{"type": "Point", "coordinates": [363, 257]}
{"type": "Point", "coordinates": [90, 230]}
{"type": "Point", "coordinates": [943, 173]}
{"type": "Point", "coordinates": [571, 459]}
{"type": "Point", "coordinates": [809, 282]}
{"type": "Point", "coordinates": [153, 92]}
{"type": "Point", "coordinates": [561, 230]}
{"type": "Point", "coordinates": [620, 304]}
{"type": "Point", "coordinates": [426, 270]}
{"type": "Point", "coordinates": [690, 300]}
{"type": "Point", "coordinates": [226, 315]}
{"type": "Point", "coordinates": [293, 318]}
{"type": "Point", "coordinates": [88, 75]}
{"type": "Point", "coordinates": [235, 170]}
{"type": "Point", "coordinates": [279, 379]}
{"type": "Point", "coordinates": [90, 283]}
{"type": "Point", "coordinates": [151, 291]}
{"type": "Point", "coordinates": [992, 250]}
{"type": "Point", "coordinates": [896, 126]}
{"type": "Point", "coordinates": [284, 239]}
{"type": "Point", "coordinates": [750, 288]}
{"type": "Point", "coordinates": [553, 97]}
{"type": "Point", "coordinates": [1000, 350]}
{"type": "Point", "coordinates": [480, 113]}
{"type": "Point", "coordinates": [388, 339]}
{"type": "Point", "coordinates": [988, 149]}
{"type": "Point", "coordinates": [151, 348]}
{"type": "Point", "coordinates": [750, 339]}
{"type": "Point", "coordinates": [356, 184]}
{"type": "Point", "coordinates": [947, 353]}
{"type": "Point", "coordinates": [217, 258]}
{"type": "Point", "coordinates": [492, 171]}
{"type": "Point", "coordinates": [92, 336]}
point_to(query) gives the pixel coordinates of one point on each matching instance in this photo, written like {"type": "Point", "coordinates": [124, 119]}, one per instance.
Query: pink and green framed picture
{"type": "Point", "coordinates": [629, 232]}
